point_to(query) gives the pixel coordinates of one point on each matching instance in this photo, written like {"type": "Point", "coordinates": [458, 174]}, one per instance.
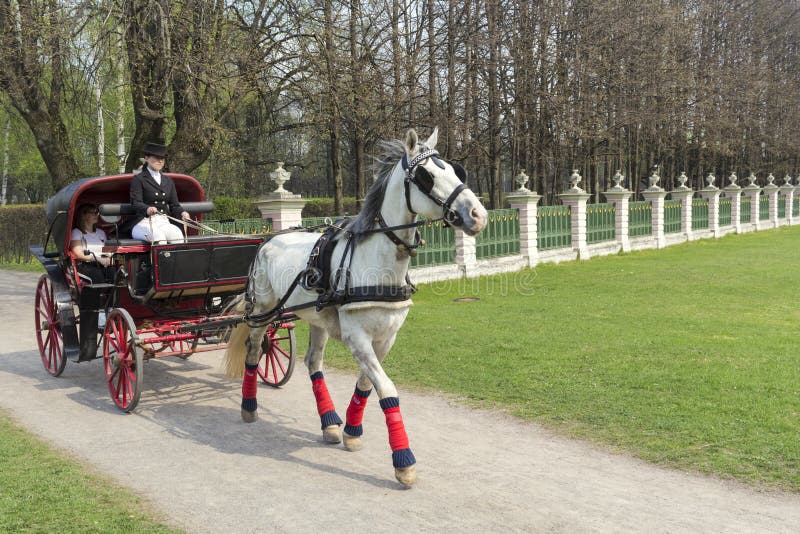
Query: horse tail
{"type": "Point", "coordinates": [236, 353]}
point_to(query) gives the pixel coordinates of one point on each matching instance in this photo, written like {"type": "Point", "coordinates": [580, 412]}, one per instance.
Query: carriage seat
{"type": "Point", "coordinates": [124, 226]}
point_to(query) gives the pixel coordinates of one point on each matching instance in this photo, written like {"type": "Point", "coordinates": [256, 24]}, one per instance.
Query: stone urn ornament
{"type": "Point", "coordinates": [521, 179]}
{"type": "Point", "coordinates": [733, 179]}
{"type": "Point", "coordinates": [280, 176]}
{"type": "Point", "coordinates": [770, 179]}
{"type": "Point", "coordinates": [575, 179]}
{"type": "Point", "coordinates": [752, 178]}
{"type": "Point", "coordinates": [710, 179]}
{"type": "Point", "coordinates": [682, 179]}
{"type": "Point", "coordinates": [653, 181]}
{"type": "Point", "coordinates": [618, 178]}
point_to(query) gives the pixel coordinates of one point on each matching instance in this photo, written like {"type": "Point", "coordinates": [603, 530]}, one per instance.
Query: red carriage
{"type": "Point", "coordinates": [165, 299]}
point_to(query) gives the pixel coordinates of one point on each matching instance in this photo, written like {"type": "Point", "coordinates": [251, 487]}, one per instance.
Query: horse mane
{"type": "Point", "coordinates": [393, 151]}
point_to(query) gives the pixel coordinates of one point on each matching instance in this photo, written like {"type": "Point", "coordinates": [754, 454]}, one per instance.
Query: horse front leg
{"type": "Point", "coordinates": [250, 379]}
{"type": "Point", "coordinates": [329, 419]}
{"type": "Point", "coordinates": [405, 470]}
{"type": "Point", "coordinates": [355, 413]}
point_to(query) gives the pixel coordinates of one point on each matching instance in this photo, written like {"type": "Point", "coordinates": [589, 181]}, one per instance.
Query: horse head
{"type": "Point", "coordinates": [435, 188]}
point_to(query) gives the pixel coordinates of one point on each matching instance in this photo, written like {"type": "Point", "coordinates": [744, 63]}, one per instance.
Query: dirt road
{"type": "Point", "coordinates": [186, 449]}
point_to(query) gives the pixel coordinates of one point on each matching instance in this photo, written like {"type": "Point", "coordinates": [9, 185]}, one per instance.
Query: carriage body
{"type": "Point", "coordinates": [165, 299]}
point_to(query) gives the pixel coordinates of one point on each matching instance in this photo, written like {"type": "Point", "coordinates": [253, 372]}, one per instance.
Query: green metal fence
{"type": "Point", "coordinates": [440, 245]}
{"type": "Point", "coordinates": [554, 227]}
{"type": "Point", "coordinates": [308, 222]}
{"type": "Point", "coordinates": [795, 206]}
{"type": "Point", "coordinates": [241, 226]}
{"type": "Point", "coordinates": [600, 222]}
{"type": "Point", "coordinates": [763, 208]}
{"type": "Point", "coordinates": [501, 235]}
{"type": "Point", "coordinates": [699, 213]}
{"type": "Point", "coordinates": [672, 216]}
{"type": "Point", "coordinates": [781, 206]}
{"type": "Point", "coordinates": [744, 213]}
{"type": "Point", "coordinates": [725, 211]}
{"type": "Point", "coordinates": [640, 218]}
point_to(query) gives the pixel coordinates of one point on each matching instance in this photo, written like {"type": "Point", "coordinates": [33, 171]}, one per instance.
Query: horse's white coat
{"type": "Point", "coordinates": [367, 329]}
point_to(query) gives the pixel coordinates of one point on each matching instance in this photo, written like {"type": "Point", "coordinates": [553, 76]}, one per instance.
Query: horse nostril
{"type": "Point", "coordinates": [475, 213]}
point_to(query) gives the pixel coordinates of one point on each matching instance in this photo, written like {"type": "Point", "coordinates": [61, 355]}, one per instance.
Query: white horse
{"type": "Point", "coordinates": [373, 262]}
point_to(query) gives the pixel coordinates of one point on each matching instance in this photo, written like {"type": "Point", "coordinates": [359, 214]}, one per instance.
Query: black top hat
{"type": "Point", "coordinates": [154, 149]}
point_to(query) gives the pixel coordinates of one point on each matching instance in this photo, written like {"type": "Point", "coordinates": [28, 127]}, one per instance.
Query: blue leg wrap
{"type": "Point", "coordinates": [403, 458]}
{"type": "Point", "coordinates": [354, 431]}
{"type": "Point", "coordinates": [250, 405]}
{"type": "Point", "coordinates": [330, 418]}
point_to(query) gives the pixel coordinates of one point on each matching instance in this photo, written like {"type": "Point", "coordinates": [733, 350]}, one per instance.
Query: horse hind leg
{"type": "Point", "coordinates": [329, 419]}
{"type": "Point", "coordinates": [250, 379]}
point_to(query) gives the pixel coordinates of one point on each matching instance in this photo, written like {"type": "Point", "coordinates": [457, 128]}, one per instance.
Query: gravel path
{"type": "Point", "coordinates": [187, 450]}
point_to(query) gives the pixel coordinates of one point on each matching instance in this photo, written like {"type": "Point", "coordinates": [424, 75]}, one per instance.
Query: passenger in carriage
{"type": "Point", "coordinates": [153, 195]}
{"type": "Point", "coordinates": [86, 244]}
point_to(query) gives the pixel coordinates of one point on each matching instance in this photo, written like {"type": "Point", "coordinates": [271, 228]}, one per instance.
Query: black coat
{"type": "Point", "coordinates": [146, 192]}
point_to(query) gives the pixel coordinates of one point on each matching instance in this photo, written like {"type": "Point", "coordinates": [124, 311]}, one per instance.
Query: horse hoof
{"type": "Point", "coordinates": [352, 443]}
{"type": "Point", "coordinates": [406, 475]}
{"type": "Point", "coordinates": [332, 434]}
{"type": "Point", "coordinates": [249, 417]}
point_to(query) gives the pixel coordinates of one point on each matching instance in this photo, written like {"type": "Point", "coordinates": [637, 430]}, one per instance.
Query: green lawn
{"type": "Point", "coordinates": [43, 491]}
{"type": "Point", "coordinates": [685, 356]}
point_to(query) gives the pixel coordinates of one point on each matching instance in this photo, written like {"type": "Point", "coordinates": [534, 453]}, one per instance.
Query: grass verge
{"type": "Point", "coordinates": [685, 356]}
{"type": "Point", "coordinates": [42, 490]}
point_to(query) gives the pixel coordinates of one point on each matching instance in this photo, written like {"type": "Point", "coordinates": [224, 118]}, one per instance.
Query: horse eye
{"type": "Point", "coordinates": [460, 171]}
{"type": "Point", "coordinates": [424, 179]}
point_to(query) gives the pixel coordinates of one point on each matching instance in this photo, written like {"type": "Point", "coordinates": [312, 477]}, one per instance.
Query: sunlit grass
{"type": "Point", "coordinates": [686, 356]}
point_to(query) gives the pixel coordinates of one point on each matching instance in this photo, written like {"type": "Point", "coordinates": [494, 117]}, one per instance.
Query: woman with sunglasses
{"type": "Point", "coordinates": [86, 244]}
{"type": "Point", "coordinates": [153, 196]}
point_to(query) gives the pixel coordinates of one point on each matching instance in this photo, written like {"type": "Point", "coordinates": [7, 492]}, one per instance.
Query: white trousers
{"type": "Point", "coordinates": [162, 230]}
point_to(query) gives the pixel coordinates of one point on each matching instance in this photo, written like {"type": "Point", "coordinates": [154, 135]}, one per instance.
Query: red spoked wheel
{"type": "Point", "coordinates": [123, 360]}
{"type": "Point", "coordinates": [277, 355]}
{"type": "Point", "coordinates": [48, 328]}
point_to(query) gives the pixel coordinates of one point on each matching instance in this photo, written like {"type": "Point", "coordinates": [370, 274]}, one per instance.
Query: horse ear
{"type": "Point", "coordinates": [460, 171]}
{"type": "Point", "coordinates": [424, 179]}
{"type": "Point", "coordinates": [411, 141]}
{"type": "Point", "coordinates": [431, 142]}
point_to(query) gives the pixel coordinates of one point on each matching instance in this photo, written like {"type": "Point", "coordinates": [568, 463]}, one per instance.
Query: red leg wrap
{"type": "Point", "coordinates": [324, 402]}
{"type": "Point", "coordinates": [249, 384]}
{"type": "Point", "coordinates": [355, 412]}
{"type": "Point", "coordinates": [397, 431]}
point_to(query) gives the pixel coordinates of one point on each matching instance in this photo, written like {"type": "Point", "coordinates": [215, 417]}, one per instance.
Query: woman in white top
{"type": "Point", "coordinates": [86, 244]}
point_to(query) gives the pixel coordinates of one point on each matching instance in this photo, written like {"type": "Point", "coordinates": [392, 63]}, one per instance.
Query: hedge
{"type": "Point", "coordinates": [20, 225]}
{"type": "Point", "coordinates": [24, 224]}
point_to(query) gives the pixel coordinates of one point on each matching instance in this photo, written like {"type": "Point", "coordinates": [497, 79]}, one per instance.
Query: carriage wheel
{"type": "Point", "coordinates": [48, 328]}
{"type": "Point", "coordinates": [123, 360]}
{"type": "Point", "coordinates": [277, 355]}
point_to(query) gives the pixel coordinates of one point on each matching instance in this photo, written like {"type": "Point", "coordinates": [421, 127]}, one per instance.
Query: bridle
{"type": "Point", "coordinates": [449, 215]}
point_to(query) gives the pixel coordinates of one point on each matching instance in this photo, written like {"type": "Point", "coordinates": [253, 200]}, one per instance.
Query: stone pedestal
{"type": "Point", "coordinates": [787, 196]}
{"type": "Point", "coordinates": [526, 202]}
{"type": "Point", "coordinates": [656, 196]}
{"type": "Point", "coordinates": [284, 210]}
{"type": "Point", "coordinates": [620, 198]}
{"type": "Point", "coordinates": [466, 254]}
{"type": "Point", "coordinates": [734, 192]}
{"type": "Point", "coordinates": [576, 200]}
{"type": "Point", "coordinates": [711, 194]}
{"type": "Point", "coordinates": [753, 192]}
{"type": "Point", "coordinates": [771, 190]}
{"type": "Point", "coordinates": [685, 195]}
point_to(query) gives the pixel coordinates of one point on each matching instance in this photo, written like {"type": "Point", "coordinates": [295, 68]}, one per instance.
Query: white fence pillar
{"type": "Point", "coordinates": [656, 196]}
{"type": "Point", "coordinates": [771, 190]}
{"type": "Point", "coordinates": [619, 196]}
{"type": "Point", "coordinates": [466, 254]}
{"type": "Point", "coordinates": [734, 192]}
{"type": "Point", "coordinates": [787, 194]}
{"type": "Point", "coordinates": [283, 207]}
{"type": "Point", "coordinates": [526, 202]}
{"type": "Point", "coordinates": [753, 192]}
{"type": "Point", "coordinates": [711, 193]}
{"type": "Point", "coordinates": [576, 199]}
